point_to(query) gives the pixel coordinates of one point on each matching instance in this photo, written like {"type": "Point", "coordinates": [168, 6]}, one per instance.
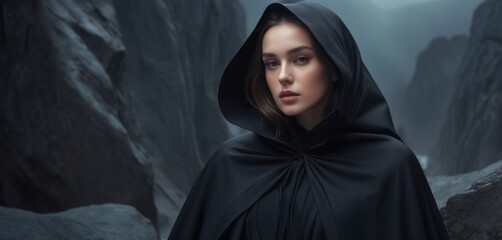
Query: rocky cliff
{"type": "Point", "coordinates": [111, 101]}
{"type": "Point", "coordinates": [176, 52]}
{"type": "Point", "coordinates": [471, 136]}
{"type": "Point", "coordinates": [429, 93]}
{"type": "Point", "coordinates": [67, 137]}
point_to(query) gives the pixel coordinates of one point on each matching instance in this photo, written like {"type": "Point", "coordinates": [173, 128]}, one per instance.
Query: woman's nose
{"type": "Point", "coordinates": [285, 76]}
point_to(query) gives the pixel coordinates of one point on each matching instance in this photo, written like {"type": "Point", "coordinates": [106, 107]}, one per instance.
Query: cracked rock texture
{"type": "Point", "coordinates": [176, 52]}
{"type": "Point", "coordinates": [67, 137]}
{"type": "Point", "coordinates": [473, 125]}
{"type": "Point", "coordinates": [111, 101]}
{"type": "Point", "coordinates": [476, 213]}
{"type": "Point", "coordinates": [444, 187]}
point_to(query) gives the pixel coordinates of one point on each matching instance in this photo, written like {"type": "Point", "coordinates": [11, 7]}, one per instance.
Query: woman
{"type": "Point", "coordinates": [322, 160]}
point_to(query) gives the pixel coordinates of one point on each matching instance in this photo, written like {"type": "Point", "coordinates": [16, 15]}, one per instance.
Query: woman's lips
{"type": "Point", "coordinates": [288, 96]}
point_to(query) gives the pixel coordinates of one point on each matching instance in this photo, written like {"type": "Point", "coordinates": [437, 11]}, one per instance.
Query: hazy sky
{"type": "Point", "coordinates": [254, 7]}
{"type": "Point", "coordinates": [396, 3]}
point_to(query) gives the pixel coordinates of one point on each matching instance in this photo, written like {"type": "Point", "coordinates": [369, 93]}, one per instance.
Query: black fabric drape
{"type": "Point", "coordinates": [350, 177]}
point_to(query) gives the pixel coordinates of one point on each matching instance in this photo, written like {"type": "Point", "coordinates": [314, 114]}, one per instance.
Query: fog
{"type": "Point", "coordinates": [396, 3]}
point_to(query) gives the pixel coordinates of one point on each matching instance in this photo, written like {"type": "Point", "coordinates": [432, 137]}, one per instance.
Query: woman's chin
{"type": "Point", "coordinates": [290, 112]}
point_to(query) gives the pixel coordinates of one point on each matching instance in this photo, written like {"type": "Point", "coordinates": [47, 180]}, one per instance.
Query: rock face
{"type": "Point", "coordinates": [176, 52]}
{"type": "Point", "coordinates": [67, 138]}
{"type": "Point", "coordinates": [109, 221]}
{"type": "Point", "coordinates": [85, 84]}
{"type": "Point", "coordinates": [429, 93]}
{"type": "Point", "coordinates": [476, 213]}
{"type": "Point", "coordinates": [473, 127]}
{"type": "Point", "coordinates": [445, 187]}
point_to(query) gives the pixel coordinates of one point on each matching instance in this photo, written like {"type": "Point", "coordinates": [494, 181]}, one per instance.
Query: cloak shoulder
{"type": "Point", "coordinates": [236, 175]}
{"type": "Point", "coordinates": [370, 187]}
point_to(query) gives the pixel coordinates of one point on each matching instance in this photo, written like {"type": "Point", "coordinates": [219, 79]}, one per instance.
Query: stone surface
{"type": "Point", "coordinates": [108, 221]}
{"type": "Point", "coordinates": [67, 137]}
{"type": "Point", "coordinates": [176, 52]}
{"type": "Point", "coordinates": [428, 96]}
{"type": "Point", "coordinates": [477, 212]}
{"type": "Point", "coordinates": [473, 127]}
{"type": "Point", "coordinates": [445, 187]}
{"type": "Point", "coordinates": [86, 84]}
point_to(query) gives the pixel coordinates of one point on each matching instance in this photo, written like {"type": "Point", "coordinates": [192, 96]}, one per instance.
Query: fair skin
{"type": "Point", "coordinates": [295, 77]}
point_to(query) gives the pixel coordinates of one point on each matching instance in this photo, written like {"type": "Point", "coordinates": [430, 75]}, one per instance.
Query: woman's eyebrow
{"type": "Point", "coordinates": [291, 51]}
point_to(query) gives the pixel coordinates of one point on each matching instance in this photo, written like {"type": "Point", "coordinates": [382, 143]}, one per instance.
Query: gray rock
{"type": "Point", "coordinates": [103, 222]}
{"type": "Point", "coordinates": [473, 127]}
{"type": "Point", "coordinates": [67, 137]}
{"type": "Point", "coordinates": [477, 212]}
{"type": "Point", "coordinates": [176, 52]}
{"type": "Point", "coordinates": [445, 187]}
{"type": "Point", "coordinates": [429, 93]}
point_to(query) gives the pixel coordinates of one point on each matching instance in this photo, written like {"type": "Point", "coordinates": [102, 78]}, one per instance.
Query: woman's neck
{"type": "Point", "coordinates": [310, 118]}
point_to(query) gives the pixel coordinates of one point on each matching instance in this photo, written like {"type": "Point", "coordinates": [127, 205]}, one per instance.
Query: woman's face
{"type": "Point", "coordinates": [295, 77]}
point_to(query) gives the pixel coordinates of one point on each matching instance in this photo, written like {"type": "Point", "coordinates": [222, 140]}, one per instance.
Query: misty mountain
{"type": "Point", "coordinates": [428, 96]}
{"type": "Point", "coordinates": [471, 135]}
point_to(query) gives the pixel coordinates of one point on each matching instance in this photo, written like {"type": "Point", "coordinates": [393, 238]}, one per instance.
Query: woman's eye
{"type": "Point", "coordinates": [301, 60]}
{"type": "Point", "coordinates": [271, 64]}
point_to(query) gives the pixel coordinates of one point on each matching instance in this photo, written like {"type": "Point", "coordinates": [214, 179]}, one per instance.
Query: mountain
{"type": "Point", "coordinates": [473, 124]}
{"type": "Point", "coordinates": [429, 94]}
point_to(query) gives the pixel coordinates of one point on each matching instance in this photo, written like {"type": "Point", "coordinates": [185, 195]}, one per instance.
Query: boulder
{"type": "Point", "coordinates": [444, 187]}
{"type": "Point", "coordinates": [96, 222]}
{"type": "Point", "coordinates": [477, 212]}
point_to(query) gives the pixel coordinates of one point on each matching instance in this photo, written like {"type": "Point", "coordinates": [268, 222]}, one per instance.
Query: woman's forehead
{"type": "Point", "coordinates": [284, 38]}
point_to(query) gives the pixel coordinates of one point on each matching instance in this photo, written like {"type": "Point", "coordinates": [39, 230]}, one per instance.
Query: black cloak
{"type": "Point", "coordinates": [350, 177]}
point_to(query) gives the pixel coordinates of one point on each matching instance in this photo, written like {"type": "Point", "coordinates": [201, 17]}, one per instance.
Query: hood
{"type": "Point", "coordinates": [363, 110]}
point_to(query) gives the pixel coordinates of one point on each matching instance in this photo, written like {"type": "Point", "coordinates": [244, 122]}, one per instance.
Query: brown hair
{"type": "Point", "coordinates": [257, 91]}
